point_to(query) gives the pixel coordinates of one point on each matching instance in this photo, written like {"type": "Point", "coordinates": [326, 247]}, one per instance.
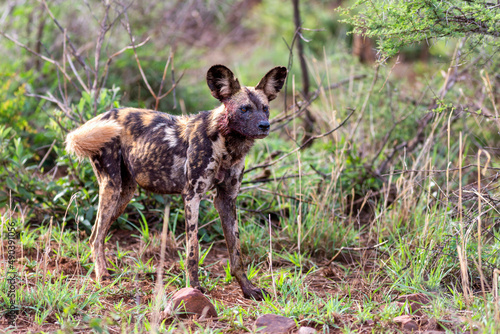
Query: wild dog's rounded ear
{"type": "Point", "coordinates": [222, 82]}
{"type": "Point", "coordinates": [272, 82]}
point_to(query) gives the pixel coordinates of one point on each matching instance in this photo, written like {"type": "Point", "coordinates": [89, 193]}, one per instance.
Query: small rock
{"type": "Point", "coordinates": [415, 301]}
{"type": "Point", "coordinates": [429, 324]}
{"type": "Point", "coordinates": [272, 323]}
{"type": "Point", "coordinates": [189, 302]}
{"type": "Point", "coordinates": [369, 322]}
{"type": "Point", "coordinates": [406, 322]}
{"type": "Point", "coordinates": [421, 298]}
{"type": "Point", "coordinates": [306, 330]}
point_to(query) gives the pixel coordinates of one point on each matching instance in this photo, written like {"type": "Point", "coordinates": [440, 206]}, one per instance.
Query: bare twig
{"type": "Point", "coordinates": [441, 170]}
{"type": "Point", "coordinates": [49, 60]}
{"type": "Point", "coordinates": [46, 155]}
{"type": "Point", "coordinates": [285, 196]}
{"type": "Point", "coordinates": [104, 77]}
{"type": "Point", "coordinates": [132, 40]}
{"type": "Point", "coordinates": [365, 103]}
{"type": "Point", "coordinates": [70, 43]}
{"type": "Point", "coordinates": [104, 28]}
{"type": "Point", "coordinates": [303, 145]}
{"type": "Point", "coordinates": [309, 118]}
{"type": "Point", "coordinates": [163, 79]}
{"type": "Point", "coordinates": [278, 178]}
{"type": "Point", "coordinates": [304, 104]}
{"type": "Point", "coordinates": [173, 86]}
{"type": "Point", "coordinates": [353, 249]}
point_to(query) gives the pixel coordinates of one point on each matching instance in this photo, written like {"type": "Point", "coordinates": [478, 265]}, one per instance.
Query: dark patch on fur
{"type": "Point", "coordinates": [189, 196]}
{"type": "Point", "coordinates": [201, 187]}
{"type": "Point", "coordinates": [254, 99]}
{"type": "Point", "coordinates": [112, 114]}
{"type": "Point", "coordinates": [214, 136]}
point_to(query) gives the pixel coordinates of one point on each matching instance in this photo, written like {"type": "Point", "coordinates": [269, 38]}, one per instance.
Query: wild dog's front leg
{"type": "Point", "coordinates": [191, 208]}
{"type": "Point", "coordinates": [225, 203]}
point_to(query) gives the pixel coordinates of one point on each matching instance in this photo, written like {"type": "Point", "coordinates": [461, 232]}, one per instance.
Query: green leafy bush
{"type": "Point", "coordinates": [398, 23]}
{"type": "Point", "coordinates": [66, 183]}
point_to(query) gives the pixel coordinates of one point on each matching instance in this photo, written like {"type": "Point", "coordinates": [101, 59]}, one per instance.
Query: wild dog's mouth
{"type": "Point", "coordinates": [258, 134]}
{"type": "Point", "coordinates": [261, 135]}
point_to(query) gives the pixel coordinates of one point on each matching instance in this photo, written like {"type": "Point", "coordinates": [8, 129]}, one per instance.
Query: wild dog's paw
{"type": "Point", "coordinates": [106, 277]}
{"type": "Point", "coordinates": [255, 293]}
{"type": "Point", "coordinates": [103, 278]}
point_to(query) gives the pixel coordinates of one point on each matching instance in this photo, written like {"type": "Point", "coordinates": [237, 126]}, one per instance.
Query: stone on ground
{"type": "Point", "coordinates": [406, 322]}
{"type": "Point", "coordinates": [272, 323]}
{"type": "Point", "coordinates": [189, 302]}
{"type": "Point", "coordinates": [307, 330]}
{"type": "Point", "coordinates": [415, 300]}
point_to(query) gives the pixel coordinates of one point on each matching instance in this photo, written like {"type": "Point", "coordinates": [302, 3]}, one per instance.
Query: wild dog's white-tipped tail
{"type": "Point", "coordinates": [89, 138]}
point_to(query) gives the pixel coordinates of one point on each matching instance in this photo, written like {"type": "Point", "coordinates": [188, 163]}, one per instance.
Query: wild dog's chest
{"type": "Point", "coordinates": [228, 154]}
{"type": "Point", "coordinates": [224, 165]}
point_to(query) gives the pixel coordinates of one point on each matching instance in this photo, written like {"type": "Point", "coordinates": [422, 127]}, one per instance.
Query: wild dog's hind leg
{"type": "Point", "coordinates": [116, 188]}
{"type": "Point", "coordinates": [225, 203]}
{"type": "Point", "coordinates": [128, 189]}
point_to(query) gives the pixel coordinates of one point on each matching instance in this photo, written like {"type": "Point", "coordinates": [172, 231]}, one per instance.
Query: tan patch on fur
{"type": "Point", "coordinates": [123, 113]}
{"type": "Point", "coordinates": [219, 147]}
{"type": "Point", "coordinates": [147, 118]}
{"type": "Point", "coordinates": [89, 138]}
{"type": "Point", "coordinates": [215, 117]}
{"type": "Point", "coordinates": [194, 128]}
{"type": "Point", "coordinates": [182, 122]}
{"type": "Point", "coordinates": [142, 179]}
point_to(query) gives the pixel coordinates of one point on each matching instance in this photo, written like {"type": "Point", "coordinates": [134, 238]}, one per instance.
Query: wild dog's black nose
{"type": "Point", "coordinates": [264, 125]}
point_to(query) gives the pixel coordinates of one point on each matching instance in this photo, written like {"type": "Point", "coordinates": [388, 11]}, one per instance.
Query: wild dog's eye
{"type": "Point", "coordinates": [266, 109]}
{"type": "Point", "coordinates": [243, 109]}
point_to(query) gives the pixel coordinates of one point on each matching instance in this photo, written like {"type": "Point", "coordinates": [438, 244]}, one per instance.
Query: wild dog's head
{"type": "Point", "coordinates": [246, 108]}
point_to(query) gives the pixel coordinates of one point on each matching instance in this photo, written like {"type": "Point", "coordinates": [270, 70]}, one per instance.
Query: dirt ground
{"type": "Point", "coordinates": [352, 269]}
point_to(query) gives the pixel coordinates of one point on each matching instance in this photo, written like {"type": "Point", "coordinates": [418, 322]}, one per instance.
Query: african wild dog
{"type": "Point", "coordinates": [186, 155]}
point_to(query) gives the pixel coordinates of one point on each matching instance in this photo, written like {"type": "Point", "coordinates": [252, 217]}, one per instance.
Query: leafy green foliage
{"type": "Point", "coordinates": [398, 23]}
{"type": "Point", "coordinates": [69, 184]}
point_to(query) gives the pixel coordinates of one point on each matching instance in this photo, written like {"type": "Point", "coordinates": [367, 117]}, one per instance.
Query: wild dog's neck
{"type": "Point", "coordinates": [236, 144]}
